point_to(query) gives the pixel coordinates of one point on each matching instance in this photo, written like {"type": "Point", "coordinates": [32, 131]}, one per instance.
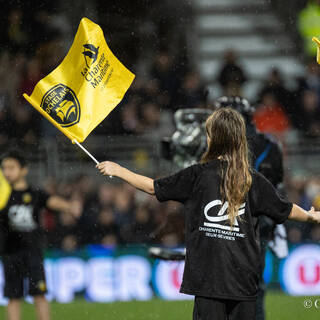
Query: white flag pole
{"type": "Point", "coordinates": [87, 152]}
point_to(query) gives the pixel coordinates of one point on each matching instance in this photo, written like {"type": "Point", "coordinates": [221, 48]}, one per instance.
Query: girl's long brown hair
{"type": "Point", "coordinates": [227, 132]}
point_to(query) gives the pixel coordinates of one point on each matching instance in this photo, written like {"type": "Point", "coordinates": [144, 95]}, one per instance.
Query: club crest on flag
{"type": "Point", "coordinates": [61, 103]}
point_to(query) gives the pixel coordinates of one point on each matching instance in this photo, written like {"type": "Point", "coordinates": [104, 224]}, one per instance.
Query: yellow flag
{"type": "Point", "coordinates": [5, 191]}
{"type": "Point", "coordinates": [88, 84]}
{"type": "Point", "coordinates": [316, 40]}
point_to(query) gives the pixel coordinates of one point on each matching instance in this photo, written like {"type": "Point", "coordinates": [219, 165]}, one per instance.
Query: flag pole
{"type": "Point", "coordinates": [86, 151]}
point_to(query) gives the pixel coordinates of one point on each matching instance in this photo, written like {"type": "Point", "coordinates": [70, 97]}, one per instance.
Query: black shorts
{"type": "Point", "coordinates": [24, 274]}
{"type": "Point", "coordinates": [223, 309]}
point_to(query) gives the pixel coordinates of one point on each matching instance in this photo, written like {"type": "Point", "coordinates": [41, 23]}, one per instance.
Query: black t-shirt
{"type": "Point", "coordinates": [221, 262]}
{"type": "Point", "coordinates": [19, 221]}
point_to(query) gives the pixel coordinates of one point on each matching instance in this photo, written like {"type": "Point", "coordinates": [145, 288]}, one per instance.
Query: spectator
{"type": "Point", "coordinates": [16, 35]}
{"type": "Point", "coordinates": [67, 232]}
{"type": "Point", "coordinates": [155, 122]}
{"type": "Point", "coordinates": [270, 117]}
{"type": "Point", "coordinates": [140, 230]}
{"type": "Point", "coordinates": [274, 84]}
{"type": "Point", "coordinates": [315, 234]}
{"type": "Point", "coordinates": [106, 231]}
{"type": "Point", "coordinates": [295, 235]}
{"type": "Point", "coordinates": [192, 93]}
{"type": "Point", "coordinates": [310, 114]}
{"type": "Point", "coordinates": [5, 123]}
{"type": "Point", "coordinates": [30, 76]}
{"type": "Point", "coordinates": [25, 126]}
{"type": "Point", "coordinates": [231, 76]}
{"type": "Point", "coordinates": [124, 206]}
{"type": "Point", "coordinates": [163, 72]}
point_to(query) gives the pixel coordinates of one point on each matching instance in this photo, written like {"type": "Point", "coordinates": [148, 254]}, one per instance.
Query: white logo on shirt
{"type": "Point", "coordinates": [221, 216]}
{"type": "Point", "coordinates": [21, 219]}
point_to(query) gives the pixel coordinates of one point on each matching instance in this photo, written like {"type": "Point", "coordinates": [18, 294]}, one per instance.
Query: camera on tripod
{"type": "Point", "coordinates": [189, 141]}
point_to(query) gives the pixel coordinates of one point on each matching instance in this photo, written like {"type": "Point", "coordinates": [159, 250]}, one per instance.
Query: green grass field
{"type": "Point", "coordinates": [279, 307]}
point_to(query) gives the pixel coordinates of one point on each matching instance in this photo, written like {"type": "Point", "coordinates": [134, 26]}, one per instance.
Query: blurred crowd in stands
{"type": "Point", "coordinates": [112, 214]}
{"type": "Point", "coordinates": [115, 213]}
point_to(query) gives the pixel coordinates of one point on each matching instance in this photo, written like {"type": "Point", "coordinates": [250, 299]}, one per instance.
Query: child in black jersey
{"type": "Point", "coordinates": [223, 198]}
{"type": "Point", "coordinates": [21, 238]}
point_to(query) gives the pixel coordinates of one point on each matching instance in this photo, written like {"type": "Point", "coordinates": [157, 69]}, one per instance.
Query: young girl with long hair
{"type": "Point", "coordinates": [223, 198]}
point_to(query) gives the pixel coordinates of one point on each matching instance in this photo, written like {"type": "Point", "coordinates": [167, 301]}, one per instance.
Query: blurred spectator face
{"type": "Point", "coordinates": [122, 200]}
{"type": "Point", "coordinates": [50, 185]}
{"type": "Point", "coordinates": [310, 100]}
{"type": "Point", "coordinates": [106, 217]}
{"type": "Point", "coordinates": [106, 194]}
{"type": "Point", "coordinates": [191, 81]}
{"type": "Point", "coordinates": [42, 16]}
{"type": "Point", "coordinates": [137, 84]}
{"type": "Point", "coordinates": [170, 240]}
{"type": "Point", "coordinates": [109, 240]}
{"type": "Point", "coordinates": [294, 235]}
{"type": "Point", "coordinates": [274, 76]}
{"type": "Point", "coordinates": [312, 67]}
{"type": "Point", "coordinates": [131, 191]}
{"type": "Point", "coordinates": [12, 170]}
{"type": "Point", "coordinates": [151, 114]}
{"type": "Point", "coordinates": [315, 233]}
{"type": "Point", "coordinates": [22, 115]}
{"type": "Point", "coordinates": [142, 215]}
{"type": "Point", "coordinates": [312, 188]}
{"type": "Point", "coordinates": [163, 61]}
{"type": "Point", "coordinates": [15, 17]}
{"type": "Point", "coordinates": [33, 69]}
{"type": "Point", "coordinates": [152, 87]}
{"type": "Point", "coordinates": [230, 56]}
{"type": "Point", "coordinates": [65, 189]}
{"type": "Point", "coordinates": [173, 207]}
{"type": "Point", "coordinates": [4, 63]}
{"type": "Point", "coordinates": [19, 61]}
{"type": "Point", "coordinates": [129, 115]}
{"type": "Point", "coordinates": [69, 243]}
{"type": "Point", "coordinates": [85, 184]}
{"type": "Point", "coordinates": [268, 99]}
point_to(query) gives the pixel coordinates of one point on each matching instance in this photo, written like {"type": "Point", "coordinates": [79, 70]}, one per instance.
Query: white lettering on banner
{"type": "Point", "coordinates": [71, 278]}
{"type": "Point", "coordinates": [50, 283]}
{"type": "Point", "coordinates": [167, 280]}
{"type": "Point", "coordinates": [301, 271]}
{"type": "Point", "coordinates": [3, 300]}
{"type": "Point", "coordinates": [104, 279]}
{"type": "Point", "coordinates": [100, 279]}
{"type": "Point", "coordinates": [134, 275]}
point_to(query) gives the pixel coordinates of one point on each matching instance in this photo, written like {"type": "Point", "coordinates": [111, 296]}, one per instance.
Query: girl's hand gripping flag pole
{"type": "Point", "coordinates": [88, 84]}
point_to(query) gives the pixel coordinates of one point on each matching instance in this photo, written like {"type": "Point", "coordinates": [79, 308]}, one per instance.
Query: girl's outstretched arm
{"type": "Point", "coordinates": [108, 168]}
{"type": "Point", "coordinates": [302, 215]}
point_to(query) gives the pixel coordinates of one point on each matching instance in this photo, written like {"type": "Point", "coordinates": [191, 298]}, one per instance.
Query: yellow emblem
{"type": "Point", "coordinates": [26, 198]}
{"type": "Point", "coordinates": [42, 286]}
